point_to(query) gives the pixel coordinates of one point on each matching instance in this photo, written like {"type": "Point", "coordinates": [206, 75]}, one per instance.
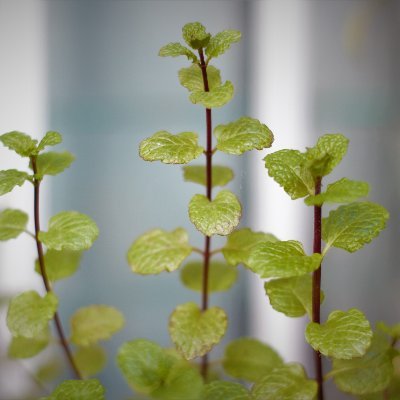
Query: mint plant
{"type": "Point", "coordinates": [68, 235]}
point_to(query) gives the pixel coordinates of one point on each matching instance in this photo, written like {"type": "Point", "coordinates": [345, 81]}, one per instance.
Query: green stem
{"type": "Point", "coordinates": [316, 290]}
{"type": "Point", "coordinates": [59, 328]}
{"type": "Point", "coordinates": [207, 244]}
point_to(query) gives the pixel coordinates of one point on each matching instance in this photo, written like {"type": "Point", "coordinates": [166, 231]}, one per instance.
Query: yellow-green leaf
{"type": "Point", "coordinates": [221, 390]}
{"type": "Point", "coordinates": [250, 359]}
{"type": "Point", "coordinates": [53, 163]}
{"type": "Point", "coordinates": [216, 97]}
{"type": "Point", "coordinates": [243, 135]}
{"type": "Point", "coordinates": [94, 323]}
{"type": "Point", "coordinates": [220, 176]}
{"type": "Point", "coordinates": [22, 347]}
{"type": "Point", "coordinates": [89, 389]}
{"type": "Point", "coordinates": [217, 217]}
{"type": "Point", "coordinates": [176, 49]}
{"type": "Point", "coordinates": [344, 336]}
{"type": "Point", "coordinates": [90, 360]}
{"type": "Point", "coordinates": [241, 243]}
{"type": "Point", "coordinates": [282, 260]}
{"type": "Point", "coordinates": [195, 35]}
{"type": "Point", "coordinates": [192, 78]}
{"type": "Point", "coordinates": [11, 178]}
{"type": "Point", "coordinates": [19, 142]}
{"type": "Point", "coordinates": [221, 277]}
{"type": "Point", "coordinates": [29, 314]}
{"type": "Point", "coordinates": [12, 223]}
{"type": "Point", "coordinates": [158, 251]}
{"type": "Point", "coordinates": [221, 42]}
{"type": "Point", "coordinates": [194, 332]}
{"type": "Point", "coordinates": [171, 149]}
{"type": "Point", "coordinates": [51, 138]}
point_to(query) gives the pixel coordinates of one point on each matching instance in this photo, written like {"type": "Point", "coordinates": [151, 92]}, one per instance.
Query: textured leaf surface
{"type": "Point", "coordinates": [220, 176]}
{"type": "Point", "coordinates": [326, 154]}
{"type": "Point", "coordinates": [10, 178]}
{"type": "Point", "coordinates": [22, 347]}
{"type": "Point", "coordinates": [342, 191]}
{"type": "Point", "coordinates": [28, 314]}
{"type": "Point", "coordinates": [291, 296]}
{"type": "Point", "coordinates": [60, 264]}
{"type": "Point", "coordinates": [195, 332]}
{"type": "Point", "coordinates": [282, 260]}
{"type": "Point", "coordinates": [90, 360]}
{"type": "Point", "coordinates": [12, 223]}
{"type": "Point", "coordinates": [352, 226]}
{"type": "Point", "coordinates": [216, 97]}
{"type": "Point", "coordinates": [367, 374]}
{"type": "Point", "coordinates": [218, 217]}
{"type": "Point", "coordinates": [220, 390]}
{"type": "Point", "coordinates": [288, 382]}
{"type": "Point", "coordinates": [51, 138]}
{"type": "Point", "coordinates": [250, 359]}
{"type": "Point", "coordinates": [175, 50]}
{"type": "Point", "coordinates": [192, 78]}
{"type": "Point", "coordinates": [195, 35]}
{"type": "Point", "coordinates": [221, 277]}
{"type": "Point", "coordinates": [243, 135]}
{"type": "Point", "coordinates": [158, 251]}
{"type": "Point", "coordinates": [90, 389]}
{"type": "Point", "coordinates": [221, 42]}
{"type": "Point", "coordinates": [19, 142]}
{"type": "Point", "coordinates": [144, 364]}
{"type": "Point", "coordinates": [70, 230]}
{"type": "Point", "coordinates": [171, 149]}
{"type": "Point", "coordinates": [287, 168]}
{"type": "Point", "coordinates": [53, 163]}
{"type": "Point", "coordinates": [345, 335]}
{"type": "Point", "coordinates": [93, 323]}
{"type": "Point", "coordinates": [241, 243]}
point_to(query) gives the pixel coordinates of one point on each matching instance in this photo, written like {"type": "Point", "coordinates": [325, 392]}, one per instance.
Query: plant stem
{"type": "Point", "coordinates": [59, 328]}
{"type": "Point", "coordinates": [316, 290]}
{"type": "Point", "coordinates": [207, 244]}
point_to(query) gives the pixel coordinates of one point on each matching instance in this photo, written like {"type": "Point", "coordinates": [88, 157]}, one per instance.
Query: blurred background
{"type": "Point", "coordinates": [89, 69]}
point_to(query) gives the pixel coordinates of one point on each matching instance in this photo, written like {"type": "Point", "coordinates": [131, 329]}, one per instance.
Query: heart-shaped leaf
{"type": "Point", "coordinates": [195, 332]}
{"type": "Point", "coordinates": [12, 223]}
{"type": "Point", "coordinates": [218, 217]}
{"type": "Point", "coordinates": [220, 176]}
{"type": "Point", "coordinates": [344, 336]}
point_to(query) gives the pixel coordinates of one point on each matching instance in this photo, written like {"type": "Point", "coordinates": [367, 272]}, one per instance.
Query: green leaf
{"type": "Point", "coordinates": [327, 154]}
{"type": "Point", "coordinates": [216, 97]}
{"type": "Point", "coordinates": [10, 178]}
{"type": "Point", "coordinates": [93, 323]}
{"type": "Point", "coordinates": [12, 223]}
{"type": "Point", "coordinates": [287, 168]}
{"type": "Point", "coordinates": [220, 390]}
{"type": "Point", "coordinates": [221, 42]}
{"type": "Point", "coordinates": [195, 332]}
{"type": "Point", "coordinates": [70, 230]}
{"type": "Point", "coordinates": [90, 360]}
{"type": "Point", "coordinates": [19, 142]}
{"type": "Point", "coordinates": [217, 217]}
{"type": "Point", "coordinates": [344, 336]}
{"type": "Point", "coordinates": [288, 382]}
{"type": "Point", "coordinates": [60, 264]}
{"type": "Point", "coordinates": [90, 389]}
{"type": "Point", "coordinates": [220, 176]}
{"type": "Point", "coordinates": [144, 364]}
{"type": "Point", "coordinates": [291, 296]}
{"type": "Point", "coordinates": [22, 347]}
{"type": "Point", "coordinates": [250, 359]}
{"type": "Point", "coordinates": [171, 149]}
{"type": "Point", "coordinates": [192, 78]}
{"type": "Point", "coordinates": [53, 163]}
{"type": "Point", "coordinates": [183, 382]}
{"type": "Point", "coordinates": [241, 243]}
{"type": "Point", "coordinates": [367, 374]}
{"type": "Point", "coordinates": [221, 277]}
{"type": "Point", "coordinates": [282, 260]}
{"type": "Point", "coordinates": [342, 191]}
{"type": "Point", "coordinates": [49, 371]}
{"type": "Point", "coordinates": [28, 314]}
{"type": "Point", "coordinates": [175, 50]}
{"type": "Point", "coordinates": [195, 35]}
{"type": "Point", "coordinates": [158, 251]}
{"type": "Point", "coordinates": [352, 226]}
{"type": "Point", "coordinates": [393, 331]}
{"type": "Point", "coordinates": [243, 135]}
{"type": "Point", "coordinates": [50, 139]}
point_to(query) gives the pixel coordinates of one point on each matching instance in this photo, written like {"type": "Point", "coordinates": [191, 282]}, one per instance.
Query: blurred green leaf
{"type": "Point", "coordinates": [19, 142]}
{"type": "Point", "coordinates": [220, 176]}
{"type": "Point", "coordinates": [12, 223]}
{"type": "Point", "coordinates": [51, 138]}
{"type": "Point", "coordinates": [10, 178]}
{"type": "Point", "coordinates": [53, 163]}
{"type": "Point", "coordinates": [220, 390]}
{"type": "Point", "coordinates": [22, 347]}
{"type": "Point", "coordinates": [90, 360]}
{"type": "Point", "coordinates": [90, 389]}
